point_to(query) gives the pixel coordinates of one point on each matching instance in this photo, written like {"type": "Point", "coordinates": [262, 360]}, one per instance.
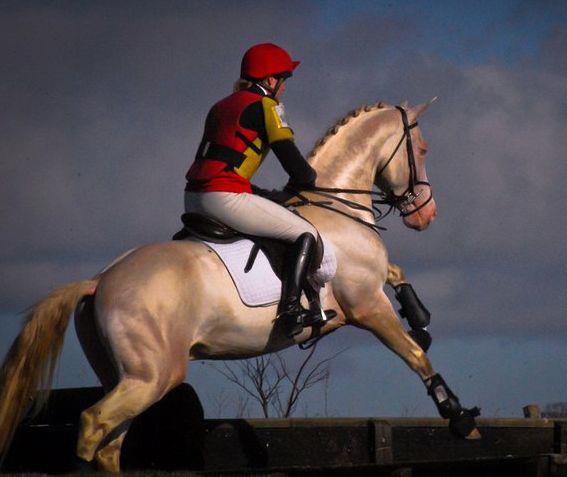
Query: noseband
{"type": "Point", "coordinates": [400, 202]}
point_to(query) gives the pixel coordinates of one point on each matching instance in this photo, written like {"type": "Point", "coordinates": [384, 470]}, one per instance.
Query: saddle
{"type": "Point", "coordinates": [208, 229]}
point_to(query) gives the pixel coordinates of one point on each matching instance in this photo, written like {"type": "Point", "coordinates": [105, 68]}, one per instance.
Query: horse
{"type": "Point", "coordinates": [155, 309]}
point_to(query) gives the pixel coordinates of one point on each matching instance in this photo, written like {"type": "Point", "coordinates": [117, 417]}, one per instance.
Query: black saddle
{"type": "Point", "coordinates": [206, 228]}
{"type": "Point", "coordinates": [211, 230]}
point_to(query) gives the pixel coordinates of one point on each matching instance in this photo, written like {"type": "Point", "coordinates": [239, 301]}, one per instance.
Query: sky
{"type": "Point", "coordinates": [102, 107]}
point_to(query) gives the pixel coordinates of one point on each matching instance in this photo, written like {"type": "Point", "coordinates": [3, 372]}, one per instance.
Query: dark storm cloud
{"type": "Point", "coordinates": [496, 145]}
{"type": "Point", "coordinates": [105, 107]}
{"type": "Point", "coordinates": [102, 108]}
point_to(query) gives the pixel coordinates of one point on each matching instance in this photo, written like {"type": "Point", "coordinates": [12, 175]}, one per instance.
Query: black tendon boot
{"type": "Point", "coordinates": [415, 312]}
{"type": "Point", "coordinates": [461, 420]}
{"type": "Point", "coordinates": [292, 317]}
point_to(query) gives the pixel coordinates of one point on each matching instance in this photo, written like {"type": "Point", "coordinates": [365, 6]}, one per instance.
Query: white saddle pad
{"type": "Point", "coordinates": [260, 286]}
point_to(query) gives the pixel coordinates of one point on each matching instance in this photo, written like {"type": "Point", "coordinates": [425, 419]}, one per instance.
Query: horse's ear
{"type": "Point", "coordinates": [416, 111]}
{"type": "Point", "coordinates": [404, 104]}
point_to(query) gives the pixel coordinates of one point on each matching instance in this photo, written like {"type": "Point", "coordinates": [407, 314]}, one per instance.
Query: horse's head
{"type": "Point", "coordinates": [401, 171]}
{"type": "Point", "coordinates": [383, 145]}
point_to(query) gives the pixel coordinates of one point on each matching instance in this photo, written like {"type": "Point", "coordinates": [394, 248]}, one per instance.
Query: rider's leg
{"type": "Point", "coordinates": [250, 214]}
{"type": "Point", "coordinates": [291, 314]}
{"type": "Point", "coordinates": [255, 215]}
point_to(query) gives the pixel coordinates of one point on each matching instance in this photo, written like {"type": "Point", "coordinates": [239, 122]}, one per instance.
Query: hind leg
{"type": "Point", "coordinates": [151, 364]}
{"type": "Point", "coordinates": [92, 343]}
{"type": "Point", "coordinates": [108, 457]}
{"type": "Point", "coordinates": [128, 399]}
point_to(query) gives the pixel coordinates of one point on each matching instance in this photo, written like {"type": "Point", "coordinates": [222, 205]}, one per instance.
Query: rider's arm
{"type": "Point", "coordinates": [280, 138]}
{"type": "Point", "coordinates": [301, 174]}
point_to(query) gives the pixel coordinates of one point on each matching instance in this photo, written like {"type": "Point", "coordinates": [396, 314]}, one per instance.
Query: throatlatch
{"type": "Point", "coordinates": [415, 312]}
{"type": "Point", "coordinates": [462, 421]}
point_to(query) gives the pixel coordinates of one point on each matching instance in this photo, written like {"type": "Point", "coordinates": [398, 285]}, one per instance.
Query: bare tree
{"type": "Point", "coordinates": [274, 384]}
{"type": "Point", "coordinates": [242, 406]}
{"type": "Point", "coordinates": [219, 402]}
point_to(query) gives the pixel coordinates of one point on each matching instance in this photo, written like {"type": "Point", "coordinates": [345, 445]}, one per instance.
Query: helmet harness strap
{"type": "Point", "coordinates": [273, 91]}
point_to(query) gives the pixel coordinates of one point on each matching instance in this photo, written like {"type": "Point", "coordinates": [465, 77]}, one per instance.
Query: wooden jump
{"type": "Point", "coordinates": [173, 435]}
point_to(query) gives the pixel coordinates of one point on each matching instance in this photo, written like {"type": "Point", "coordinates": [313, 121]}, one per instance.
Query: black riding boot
{"type": "Point", "coordinates": [292, 317]}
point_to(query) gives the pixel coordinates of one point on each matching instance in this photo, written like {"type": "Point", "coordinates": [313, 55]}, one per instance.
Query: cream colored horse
{"type": "Point", "coordinates": [148, 314]}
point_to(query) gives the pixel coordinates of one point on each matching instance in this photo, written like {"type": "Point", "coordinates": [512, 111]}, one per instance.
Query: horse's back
{"type": "Point", "coordinates": [160, 272]}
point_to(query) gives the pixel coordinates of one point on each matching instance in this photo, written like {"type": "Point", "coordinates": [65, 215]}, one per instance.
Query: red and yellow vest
{"type": "Point", "coordinates": [229, 153]}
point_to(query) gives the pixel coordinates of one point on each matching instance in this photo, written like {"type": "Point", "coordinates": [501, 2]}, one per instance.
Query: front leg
{"type": "Point", "coordinates": [376, 314]}
{"type": "Point", "coordinates": [396, 275]}
{"type": "Point", "coordinates": [413, 310]}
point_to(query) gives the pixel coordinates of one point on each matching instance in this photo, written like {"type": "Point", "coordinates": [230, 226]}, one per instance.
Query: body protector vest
{"type": "Point", "coordinates": [229, 153]}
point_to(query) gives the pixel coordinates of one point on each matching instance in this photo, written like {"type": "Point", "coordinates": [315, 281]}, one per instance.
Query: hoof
{"type": "Point", "coordinates": [464, 425]}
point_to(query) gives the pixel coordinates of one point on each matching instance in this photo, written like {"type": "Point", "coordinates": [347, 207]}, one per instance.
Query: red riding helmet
{"type": "Point", "coordinates": [266, 59]}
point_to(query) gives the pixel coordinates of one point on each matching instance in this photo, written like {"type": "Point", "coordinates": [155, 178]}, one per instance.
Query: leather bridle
{"type": "Point", "coordinates": [408, 197]}
{"type": "Point", "coordinates": [389, 198]}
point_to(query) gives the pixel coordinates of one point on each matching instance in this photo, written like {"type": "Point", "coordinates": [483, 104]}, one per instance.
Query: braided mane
{"type": "Point", "coordinates": [332, 131]}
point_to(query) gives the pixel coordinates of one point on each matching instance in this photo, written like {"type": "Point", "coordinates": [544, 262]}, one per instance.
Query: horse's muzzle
{"type": "Point", "coordinates": [421, 219]}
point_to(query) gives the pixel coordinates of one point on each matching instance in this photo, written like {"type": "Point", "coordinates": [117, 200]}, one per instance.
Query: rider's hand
{"type": "Point", "coordinates": [259, 191]}
{"type": "Point", "coordinates": [279, 196]}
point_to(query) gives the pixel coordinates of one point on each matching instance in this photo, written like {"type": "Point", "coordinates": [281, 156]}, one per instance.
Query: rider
{"type": "Point", "coordinates": [239, 132]}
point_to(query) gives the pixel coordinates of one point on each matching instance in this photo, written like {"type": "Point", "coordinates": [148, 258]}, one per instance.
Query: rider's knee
{"type": "Point", "coordinates": [316, 247]}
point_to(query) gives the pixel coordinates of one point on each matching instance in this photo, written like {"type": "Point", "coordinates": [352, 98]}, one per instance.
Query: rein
{"type": "Point", "coordinates": [328, 192]}
{"type": "Point", "coordinates": [399, 202]}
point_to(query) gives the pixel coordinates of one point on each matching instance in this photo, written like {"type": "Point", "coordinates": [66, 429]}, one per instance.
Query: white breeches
{"type": "Point", "coordinates": [249, 214]}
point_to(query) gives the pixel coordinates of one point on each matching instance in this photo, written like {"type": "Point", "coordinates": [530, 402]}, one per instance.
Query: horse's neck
{"type": "Point", "coordinates": [350, 158]}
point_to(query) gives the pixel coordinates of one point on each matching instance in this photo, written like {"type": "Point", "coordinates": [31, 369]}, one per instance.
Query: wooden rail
{"type": "Point", "coordinates": [173, 435]}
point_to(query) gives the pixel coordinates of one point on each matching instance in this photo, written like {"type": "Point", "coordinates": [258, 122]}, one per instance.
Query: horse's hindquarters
{"type": "Point", "coordinates": [177, 299]}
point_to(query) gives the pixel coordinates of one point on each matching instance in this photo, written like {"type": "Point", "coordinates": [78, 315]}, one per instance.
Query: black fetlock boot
{"type": "Point", "coordinates": [461, 421]}
{"type": "Point", "coordinates": [292, 317]}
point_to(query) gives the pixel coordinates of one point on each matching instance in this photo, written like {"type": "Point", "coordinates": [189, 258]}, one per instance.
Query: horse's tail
{"type": "Point", "coordinates": [30, 362]}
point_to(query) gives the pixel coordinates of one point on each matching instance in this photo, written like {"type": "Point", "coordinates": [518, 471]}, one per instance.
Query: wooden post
{"type": "Point", "coordinates": [382, 443]}
{"type": "Point", "coordinates": [531, 411]}
{"type": "Point", "coordinates": [560, 435]}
